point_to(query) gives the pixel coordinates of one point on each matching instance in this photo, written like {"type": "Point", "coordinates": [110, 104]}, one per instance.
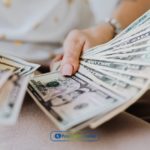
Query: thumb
{"type": "Point", "coordinates": [72, 52]}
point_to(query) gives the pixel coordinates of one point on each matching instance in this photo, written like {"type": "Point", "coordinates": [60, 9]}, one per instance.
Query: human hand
{"type": "Point", "coordinates": [79, 40]}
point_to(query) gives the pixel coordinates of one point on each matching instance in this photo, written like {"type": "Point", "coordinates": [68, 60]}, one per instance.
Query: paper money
{"type": "Point", "coordinates": [132, 33]}
{"type": "Point", "coordinates": [134, 80]}
{"type": "Point", "coordinates": [125, 59]}
{"type": "Point", "coordinates": [14, 76]}
{"type": "Point", "coordinates": [123, 88]}
{"type": "Point", "coordinates": [11, 98]}
{"type": "Point", "coordinates": [56, 66]}
{"type": "Point", "coordinates": [134, 49]}
{"type": "Point", "coordinates": [144, 19]}
{"type": "Point", "coordinates": [140, 43]}
{"type": "Point", "coordinates": [65, 99]}
{"type": "Point", "coordinates": [4, 75]}
{"type": "Point", "coordinates": [111, 77]}
{"type": "Point", "coordinates": [136, 24]}
{"type": "Point", "coordinates": [16, 65]}
{"type": "Point", "coordinates": [139, 56]}
{"type": "Point", "coordinates": [140, 39]}
{"type": "Point", "coordinates": [125, 67]}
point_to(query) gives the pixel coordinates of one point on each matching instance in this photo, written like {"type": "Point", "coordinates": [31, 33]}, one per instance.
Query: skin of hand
{"type": "Point", "coordinates": [79, 40]}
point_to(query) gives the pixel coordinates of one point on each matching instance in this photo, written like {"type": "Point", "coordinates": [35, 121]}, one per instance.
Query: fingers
{"type": "Point", "coordinates": [73, 47]}
{"type": "Point", "coordinates": [56, 59]}
{"type": "Point", "coordinates": [44, 67]}
{"type": "Point", "coordinates": [87, 45]}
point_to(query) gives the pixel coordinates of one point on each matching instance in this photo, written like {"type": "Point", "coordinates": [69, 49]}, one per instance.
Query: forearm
{"type": "Point", "coordinates": [129, 10]}
{"type": "Point", "coordinates": [125, 13]}
{"type": "Point", "coordinates": [78, 40]}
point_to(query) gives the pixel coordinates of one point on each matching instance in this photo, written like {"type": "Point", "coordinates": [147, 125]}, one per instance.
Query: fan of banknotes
{"type": "Point", "coordinates": [111, 77]}
{"type": "Point", "coordinates": [14, 77]}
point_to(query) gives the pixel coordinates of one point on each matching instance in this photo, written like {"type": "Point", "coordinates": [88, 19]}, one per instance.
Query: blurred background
{"type": "Point", "coordinates": [102, 9]}
{"type": "Point", "coordinates": [25, 33]}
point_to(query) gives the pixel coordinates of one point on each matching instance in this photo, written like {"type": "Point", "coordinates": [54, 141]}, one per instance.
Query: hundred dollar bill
{"type": "Point", "coordinates": [125, 67]}
{"type": "Point", "coordinates": [64, 99]}
{"type": "Point", "coordinates": [16, 65]}
{"type": "Point", "coordinates": [11, 98]}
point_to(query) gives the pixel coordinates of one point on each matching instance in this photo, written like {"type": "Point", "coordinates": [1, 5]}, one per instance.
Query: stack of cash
{"type": "Point", "coordinates": [111, 77]}
{"type": "Point", "coordinates": [14, 77]}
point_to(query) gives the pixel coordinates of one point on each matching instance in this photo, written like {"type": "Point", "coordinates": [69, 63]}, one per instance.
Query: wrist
{"type": "Point", "coordinates": [104, 32]}
{"type": "Point", "coordinates": [115, 25]}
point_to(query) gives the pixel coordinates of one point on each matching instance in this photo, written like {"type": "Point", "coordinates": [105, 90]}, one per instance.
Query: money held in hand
{"type": "Point", "coordinates": [111, 77]}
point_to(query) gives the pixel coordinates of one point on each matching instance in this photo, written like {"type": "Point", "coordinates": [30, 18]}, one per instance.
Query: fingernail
{"type": "Point", "coordinates": [67, 70]}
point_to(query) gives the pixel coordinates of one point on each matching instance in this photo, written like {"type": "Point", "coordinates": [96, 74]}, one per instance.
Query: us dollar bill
{"type": "Point", "coordinates": [16, 65]}
{"type": "Point", "coordinates": [134, 49]}
{"type": "Point", "coordinates": [134, 80]}
{"type": "Point", "coordinates": [124, 67]}
{"type": "Point", "coordinates": [144, 19]}
{"type": "Point", "coordinates": [4, 75]}
{"type": "Point", "coordinates": [143, 57]}
{"type": "Point", "coordinates": [132, 33]}
{"type": "Point", "coordinates": [135, 45]}
{"type": "Point", "coordinates": [136, 24]}
{"type": "Point", "coordinates": [126, 88]}
{"type": "Point", "coordinates": [101, 118]}
{"type": "Point", "coordinates": [11, 98]}
{"type": "Point", "coordinates": [136, 40]}
{"type": "Point", "coordinates": [64, 99]}
{"type": "Point", "coordinates": [56, 66]}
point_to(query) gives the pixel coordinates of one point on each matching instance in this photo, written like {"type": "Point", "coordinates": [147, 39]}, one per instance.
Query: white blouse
{"type": "Point", "coordinates": [45, 21]}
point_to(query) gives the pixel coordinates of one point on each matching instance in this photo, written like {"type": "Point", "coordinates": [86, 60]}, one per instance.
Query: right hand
{"type": "Point", "coordinates": [79, 40]}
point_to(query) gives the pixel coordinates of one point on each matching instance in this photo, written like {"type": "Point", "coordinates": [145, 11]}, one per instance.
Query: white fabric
{"type": "Point", "coordinates": [102, 8]}
{"type": "Point", "coordinates": [43, 21]}
{"type": "Point", "coordinates": [37, 21]}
